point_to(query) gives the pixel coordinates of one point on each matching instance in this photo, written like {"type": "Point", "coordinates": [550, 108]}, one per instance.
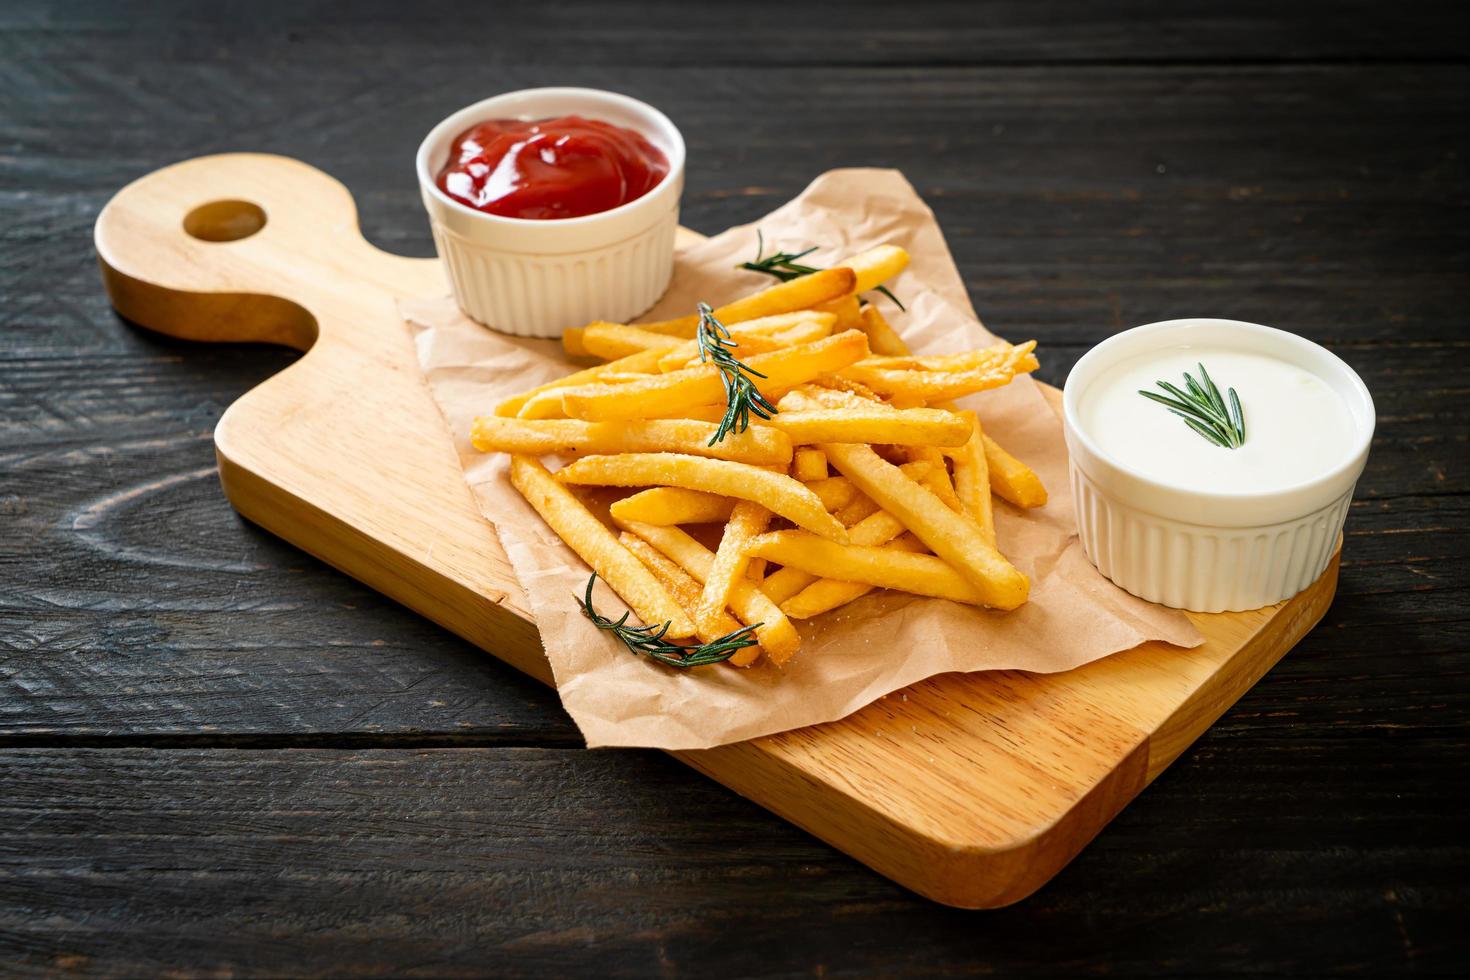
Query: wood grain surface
{"type": "Point", "coordinates": [1294, 164]}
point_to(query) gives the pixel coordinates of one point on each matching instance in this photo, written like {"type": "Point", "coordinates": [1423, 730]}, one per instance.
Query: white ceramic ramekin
{"type": "Point", "coordinates": [1199, 550]}
{"type": "Point", "coordinates": [535, 278]}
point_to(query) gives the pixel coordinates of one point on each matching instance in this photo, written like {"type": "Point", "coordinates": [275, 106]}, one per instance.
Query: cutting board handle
{"type": "Point", "coordinates": [245, 247]}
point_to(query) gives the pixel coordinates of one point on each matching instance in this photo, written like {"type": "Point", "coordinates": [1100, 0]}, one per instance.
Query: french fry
{"type": "Point", "coordinates": [680, 357]}
{"type": "Point", "coordinates": [598, 547]}
{"type": "Point", "coordinates": [673, 505]}
{"type": "Point", "coordinates": [805, 332]}
{"type": "Point", "coordinates": [972, 478]}
{"type": "Point", "coordinates": [932, 386]}
{"type": "Point", "coordinates": [571, 341]}
{"type": "Point", "coordinates": [751, 606]}
{"type": "Point", "coordinates": [774, 491]}
{"type": "Point", "coordinates": [938, 482]}
{"type": "Point", "coordinates": [882, 338]}
{"type": "Point", "coordinates": [827, 594]}
{"type": "Point", "coordinates": [859, 510]}
{"type": "Point", "coordinates": [758, 337]}
{"type": "Point", "coordinates": [952, 536]}
{"type": "Point", "coordinates": [611, 341]}
{"type": "Point", "coordinates": [761, 445]}
{"type": "Point", "coordinates": [888, 568]}
{"type": "Point", "coordinates": [873, 530]}
{"type": "Point", "coordinates": [834, 391]}
{"type": "Point", "coordinates": [835, 492]}
{"type": "Point", "coordinates": [703, 385]}
{"type": "Point", "coordinates": [876, 266]}
{"type": "Point", "coordinates": [872, 424]}
{"type": "Point", "coordinates": [685, 590]}
{"type": "Point", "coordinates": [808, 465]}
{"type": "Point", "coordinates": [747, 521]}
{"type": "Point", "coordinates": [847, 311]}
{"type": "Point", "coordinates": [755, 570]}
{"type": "Point", "coordinates": [964, 361]}
{"type": "Point", "coordinates": [645, 362]}
{"type": "Point", "coordinates": [1011, 479]}
{"type": "Point", "coordinates": [801, 293]}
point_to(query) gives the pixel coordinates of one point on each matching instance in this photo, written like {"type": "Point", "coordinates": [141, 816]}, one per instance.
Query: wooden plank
{"type": "Point", "coordinates": [344, 455]}
{"type": "Point", "coordinates": [529, 862]}
{"type": "Point", "coordinates": [946, 32]}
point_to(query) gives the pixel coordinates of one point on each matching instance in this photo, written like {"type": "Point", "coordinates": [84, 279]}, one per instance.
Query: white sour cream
{"type": "Point", "coordinates": [1297, 427]}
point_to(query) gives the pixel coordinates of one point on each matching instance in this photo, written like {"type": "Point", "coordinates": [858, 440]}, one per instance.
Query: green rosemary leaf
{"type": "Point", "coordinates": [742, 397]}
{"type": "Point", "coordinates": [1237, 416]}
{"type": "Point", "coordinates": [1214, 393]}
{"type": "Point", "coordinates": [648, 641]}
{"type": "Point", "coordinates": [1203, 408]}
{"type": "Point", "coordinates": [1206, 431]}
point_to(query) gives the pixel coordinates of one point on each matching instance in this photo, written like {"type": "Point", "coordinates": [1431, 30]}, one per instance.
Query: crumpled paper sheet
{"type": "Point", "coordinates": [851, 656]}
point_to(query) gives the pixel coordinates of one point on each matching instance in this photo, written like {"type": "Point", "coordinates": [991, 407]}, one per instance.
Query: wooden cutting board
{"type": "Point", "coordinates": [970, 789]}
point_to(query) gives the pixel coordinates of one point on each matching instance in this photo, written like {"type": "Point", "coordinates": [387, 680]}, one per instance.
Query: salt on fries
{"type": "Point", "coordinates": [865, 476]}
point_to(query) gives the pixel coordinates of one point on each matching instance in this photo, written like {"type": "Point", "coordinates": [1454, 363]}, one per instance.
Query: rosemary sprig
{"type": "Point", "coordinates": [1203, 409]}
{"type": "Point", "coordinates": [648, 641]}
{"type": "Point", "coordinates": [785, 267]}
{"type": "Point", "coordinates": [742, 397]}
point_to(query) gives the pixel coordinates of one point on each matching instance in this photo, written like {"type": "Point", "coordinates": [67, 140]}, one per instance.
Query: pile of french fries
{"type": "Point", "coordinates": [909, 506]}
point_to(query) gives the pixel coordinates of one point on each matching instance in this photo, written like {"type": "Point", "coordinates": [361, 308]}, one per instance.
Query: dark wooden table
{"type": "Point", "coordinates": [220, 756]}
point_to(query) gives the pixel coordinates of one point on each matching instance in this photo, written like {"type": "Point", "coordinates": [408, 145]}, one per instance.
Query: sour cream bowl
{"type": "Point", "coordinates": [1176, 519]}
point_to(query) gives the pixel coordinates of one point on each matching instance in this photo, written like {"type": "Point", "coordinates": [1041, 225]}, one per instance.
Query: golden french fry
{"type": "Point", "coordinates": [761, 445]}
{"type": "Point", "coordinates": [571, 341]}
{"type": "Point", "coordinates": [932, 386]}
{"type": "Point", "coordinates": [859, 510]}
{"type": "Point", "coordinates": [847, 311]}
{"type": "Point", "coordinates": [876, 266]}
{"type": "Point", "coordinates": [935, 476]}
{"type": "Point", "coordinates": [835, 492]}
{"type": "Point", "coordinates": [876, 529]}
{"type": "Point", "coordinates": [1011, 479]}
{"type": "Point", "coordinates": [610, 341]}
{"type": "Point", "coordinates": [755, 570]}
{"type": "Point", "coordinates": [808, 465]}
{"type": "Point", "coordinates": [704, 385]}
{"type": "Point", "coordinates": [801, 293]}
{"type": "Point", "coordinates": [806, 332]}
{"type": "Point", "coordinates": [882, 338]}
{"type": "Point", "coordinates": [673, 505]}
{"type": "Point", "coordinates": [972, 478]}
{"type": "Point", "coordinates": [751, 606]}
{"type": "Point", "coordinates": [888, 568]}
{"type": "Point", "coordinates": [685, 590]}
{"type": "Point", "coordinates": [835, 391]}
{"type": "Point", "coordinates": [774, 491]}
{"type": "Point", "coordinates": [645, 362]}
{"type": "Point", "coordinates": [746, 522]}
{"type": "Point", "coordinates": [872, 424]}
{"type": "Point", "coordinates": [758, 337]}
{"type": "Point", "coordinates": [827, 594]}
{"type": "Point", "coordinates": [598, 547]}
{"type": "Point", "coordinates": [952, 536]}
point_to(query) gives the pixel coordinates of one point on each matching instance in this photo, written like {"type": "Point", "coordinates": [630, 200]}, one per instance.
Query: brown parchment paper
{"type": "Point", "coordinates": [850, 656]}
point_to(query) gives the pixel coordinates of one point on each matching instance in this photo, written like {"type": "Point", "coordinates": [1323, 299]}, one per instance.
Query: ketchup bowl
{"type": "Point", "coordinates": [536, 276]}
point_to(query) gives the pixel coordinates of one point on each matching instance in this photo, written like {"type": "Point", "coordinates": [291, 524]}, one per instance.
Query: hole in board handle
{"type": "Point", "coordinates": [224, 221]}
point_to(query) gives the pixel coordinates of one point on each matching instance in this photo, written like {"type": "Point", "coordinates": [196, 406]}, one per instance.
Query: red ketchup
{"type": "Point", "coordinates": [550, 168]}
